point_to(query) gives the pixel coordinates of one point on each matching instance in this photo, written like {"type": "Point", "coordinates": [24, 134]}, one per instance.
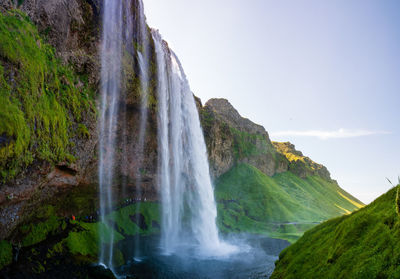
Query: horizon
{"type": "Point", "coordinates": [323, 76]}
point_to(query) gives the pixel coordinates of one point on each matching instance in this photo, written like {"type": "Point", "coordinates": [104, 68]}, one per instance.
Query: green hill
{"type": "Point", "coordinates": [283, 206]}
{"type": "Point", "coordinates": [365, 244]}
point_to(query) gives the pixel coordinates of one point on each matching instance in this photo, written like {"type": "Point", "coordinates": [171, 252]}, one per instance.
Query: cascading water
{"type": "Point", "coordinates": [188, 206]}
{"type": "Point", "coordinates": [113, 36]}
{"type": "Point", "coordinates": [143, 57]}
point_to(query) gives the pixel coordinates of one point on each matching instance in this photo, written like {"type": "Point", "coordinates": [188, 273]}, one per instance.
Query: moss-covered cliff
{"type": "Point", "coordinates": [232, 139]}
{"type": "Point", "coordinates": [49, 85]}
{"type": "Point", "coordinates": [365, 244]}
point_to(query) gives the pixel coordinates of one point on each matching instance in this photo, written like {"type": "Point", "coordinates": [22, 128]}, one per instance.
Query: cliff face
{"type": "Point", "coordinates": [301, 165]}
{"type": "Point", "coordinates": [39, 167]}
{"type": "Point", "coordinates": [47, 104]}
{"type": "Point", "coordinates": [232, 139]}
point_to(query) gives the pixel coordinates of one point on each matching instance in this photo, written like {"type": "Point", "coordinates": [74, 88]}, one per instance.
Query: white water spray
{"type": "Point", "coordinates": [113, 34]}
{"type": "Point", "coordinates": [144, 61]}
{"type": "Point", "coordinates": [188, 206]}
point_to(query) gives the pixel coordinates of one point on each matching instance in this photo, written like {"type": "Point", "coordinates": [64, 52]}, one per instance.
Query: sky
{"type": "Point", "coordinates": [324, 75]}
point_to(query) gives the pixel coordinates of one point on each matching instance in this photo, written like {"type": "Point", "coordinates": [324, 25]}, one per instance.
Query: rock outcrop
{"type": "Point", "coordinates": [299, 164]}
{"type": "Point", "coordinates": [232, 139]}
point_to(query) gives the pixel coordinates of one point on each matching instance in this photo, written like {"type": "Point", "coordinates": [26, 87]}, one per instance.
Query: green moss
{"type": "Point", "coordinates": [86, 238]}
{"type": "Point", "coordinates": [40, 98]}
{"type": "Point", "coordinates": [57, 249]}
{"type": "Point", "coordinates": [123, 218]}
{"type": "Point", "coordinates": [207, 119]}
{"type": "Point", "coordinates": [283, 206]}
{"type": "Point", "coordinates": [6, 253]}
{"type": "Point", "coordinates": [83, 131]}
{"type": "Point", "coordinates": [45, 223]}
{"type": "Point", "coordinates": [79, 201]}
{"type": "Point", "coordinates": [365, 244]}
{"type": "Point", "coordinates": [245, 144]}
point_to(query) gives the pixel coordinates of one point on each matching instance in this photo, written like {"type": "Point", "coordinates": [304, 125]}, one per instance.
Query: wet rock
{"type": "Point", "coordinates": [139, 220]}
{"type": "Point", "coordinates": [100, 272]}
{"type": "Point", "coordinates": [4, 140]}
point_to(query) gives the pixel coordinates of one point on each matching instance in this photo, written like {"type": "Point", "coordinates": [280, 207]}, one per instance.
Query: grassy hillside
{"type": "Point", "coordinates": [283, 206]}
{"type": "Point", "coordinates": [365, 244]}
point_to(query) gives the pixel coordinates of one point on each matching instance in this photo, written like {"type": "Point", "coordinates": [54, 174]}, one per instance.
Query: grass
{"type": "Point", "coordinates": [364, 244]}
{"type": "Point", "coordinates": [42, 100]}
{"type": "Point", "coordinates": [283, 206]}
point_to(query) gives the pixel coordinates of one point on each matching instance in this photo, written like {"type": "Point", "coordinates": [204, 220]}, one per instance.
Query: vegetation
{"type": "Point", "coordinates": [245, 144]}
{"type": "Point", "coordinates": [147, 219]}
{"type": "Point", "coordinates": [5, 253]}
{"type": "Point", "coordinates": [41, 100]}
{"type": "Point", "coordinates": [85, 238]}
{"type": "Point", "coordinates": [282, 206]}
{"type": "Point", "coordinates": [43, 224]}
{"type": "Point", "coordinates": [365, 244]}
{"type": "Point", "coordinates": [80, 237]}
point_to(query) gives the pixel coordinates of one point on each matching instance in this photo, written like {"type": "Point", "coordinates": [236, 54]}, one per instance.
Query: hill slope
{"type": "Point", "coordinates": [365, 244]}
{"type": "Point", "coordinates": [284, 205]}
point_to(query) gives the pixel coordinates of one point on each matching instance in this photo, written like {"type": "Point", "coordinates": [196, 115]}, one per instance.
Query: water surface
{"type": "Point", "coordinates": [255, 259]}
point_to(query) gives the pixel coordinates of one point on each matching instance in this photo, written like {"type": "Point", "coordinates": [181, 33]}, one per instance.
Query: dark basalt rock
{"type": "Point", "coordinates": [139, 220]}
{"type": "Point", "coordinates": [4, 140]}
{"type": "Point", "coordinates": [99, 272]}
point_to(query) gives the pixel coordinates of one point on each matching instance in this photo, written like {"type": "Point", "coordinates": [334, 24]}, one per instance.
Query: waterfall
{"type": "Point", "coordinates": [188, 206]}
{"type": "Point", "coordinates": [113, 36]}
{"type": "Point", "coordinates": [144, 60]}
{"type": "Point", "coordinates": [187, 195]}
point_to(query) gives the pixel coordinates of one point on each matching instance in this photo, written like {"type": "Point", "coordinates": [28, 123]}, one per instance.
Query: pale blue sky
{"type": "Point", "coordinates": [304, 69]}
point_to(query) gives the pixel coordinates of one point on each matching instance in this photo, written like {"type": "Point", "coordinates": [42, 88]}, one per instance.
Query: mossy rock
{"type": "Point", "coordinates": [41, 224]}
{"type": "Point", "coordinates": [139, 218]}
{"type": "Point", "coordinates": [41, 99]}
{"type": "Point", "coordinates": [6, 253]}
{"type": "Point", "coordinates": [85, 238]}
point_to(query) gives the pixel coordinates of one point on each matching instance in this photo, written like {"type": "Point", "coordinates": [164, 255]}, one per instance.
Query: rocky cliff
{"type": "Point", "coordinates": [49, 63]}
{"type": "Point", "coordinates": [232, 139]}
